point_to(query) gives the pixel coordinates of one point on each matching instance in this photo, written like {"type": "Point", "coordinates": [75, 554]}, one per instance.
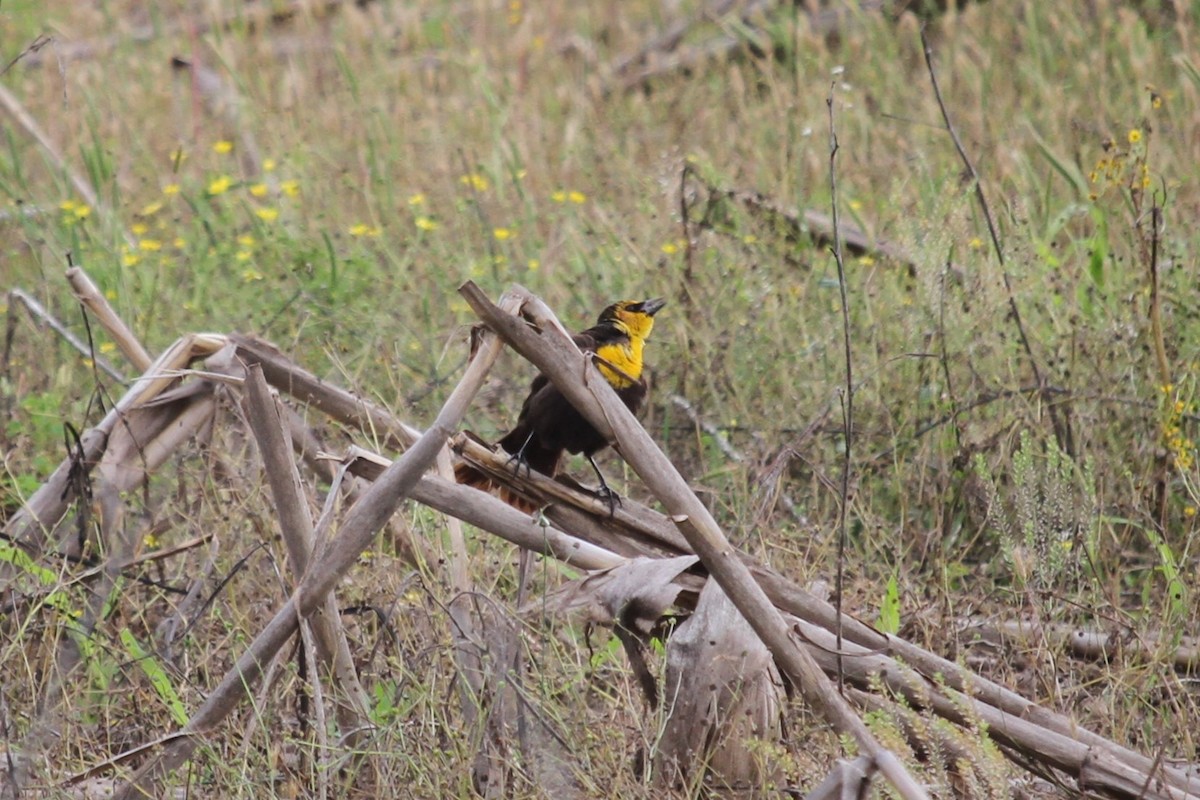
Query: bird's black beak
{"type": "Point", "coordinates": [651, 307]}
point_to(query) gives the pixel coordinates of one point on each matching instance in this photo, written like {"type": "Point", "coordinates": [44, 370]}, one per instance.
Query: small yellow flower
{"type": "Point", "coordinates": [269, 165]}
{"type": "Point", "coordinates": [1189, 511]}
{"type": "Point", "coordinates": [1156, 100]}
{"type": "Point", "coordinates": [130, 259]}
{"type": "Point", "coordinates": [150, 245]}
{"type": "Point", "coordinates": [749, 238]}
{"type": "Point", "coordinates": [534, 264]}
{"type": "Point", "coordinates": [579, 198]}
{"type": "Point", "coordinates": [171, 189]}
{"type": "Point", "coordinates": [67, 205]}
{"type": "Point", "coordinates": [417, 199]}
{"type": "Point", "coordinates": [258, 190]}
{"type": "Point", "coordinates": [138, 228]}
{"type": "Point", "coordinates": [179, 243]}
{"type": "Point", "coordinates": [1135, 136]}
{"type": "Point", "coordinates": [244, 255]}
{"type": "Point", "coordinates": [426, 224]}
{"type": "Point", "coordinates": [476, 181]}
{"type": "Point", "coordinates": [362, 229]}
{"type": "Point", "coordinates": [267, 214]}
{"type": "Point", "coordinates": [107, 347]}
{"type": "Point", "coordinates": [1167, 388]}
{"type": "Point", "coordinates": [82, 211]}
{"type": "Point", "coordinates": [250, 274]}
{"type": "Point", "coordinates": [178, 155]}
{"type": "Point", "coordinates": [290, 188]}
{"type": "Point", "coordinates": [110, 294]}
{"type": "Point", "coordinates": [150, 209]}
{"type": "Point", "coordinates": [866, 261]}
{"type": "Point", "coordinates": [559, 197]}
{"type": "Point", "coordinates": [151, 541]}
{"type": "Point", "coordinates": [855, 205]}
{"type": "Point", "coordinates": [503, 234]}
{"type": "Point", "coordinates": [976, 243]}
{"type": "Point", "coordinates": [223, 146]}
{"type": "Point", "coordinates": [220, 185]}
{"type": "Point", "coordinates": [670, 248]}
{"type": "Point", "coordinates": [246, 240]}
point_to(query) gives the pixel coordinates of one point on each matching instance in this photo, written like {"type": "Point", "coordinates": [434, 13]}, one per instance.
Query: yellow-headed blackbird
{"type": "Point", "coordinates": [549, 424]}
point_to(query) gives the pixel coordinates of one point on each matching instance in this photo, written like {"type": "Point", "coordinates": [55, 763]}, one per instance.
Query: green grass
{"type": "Point", "coordinates": [410, 150]}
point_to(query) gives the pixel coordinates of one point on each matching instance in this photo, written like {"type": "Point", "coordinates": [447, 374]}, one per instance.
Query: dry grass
{"type": "Point", "coordinates": [473, 140]}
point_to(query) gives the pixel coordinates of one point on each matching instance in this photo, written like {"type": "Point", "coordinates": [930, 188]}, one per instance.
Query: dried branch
{"type": "Point", "coordinates": [94, 301]}
{"type": "Point", "coordinates": [559, 359]}
{"type": "Point", "coordinates": [32, 524]}
{"type": "Point", "coordinates": [357, 531]}
{"type": "Point", "coordinates": [295, 523]}
{"type": "Point", "coordinates": [25, 121]}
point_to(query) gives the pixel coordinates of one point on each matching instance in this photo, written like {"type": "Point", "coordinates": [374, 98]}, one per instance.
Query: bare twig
{"type": "Point", "coordinates": [39, 312]}
{"type": "Point", "coordinates": [1062, 430]}
{"type": "Point", "coordinates": [848, 398]}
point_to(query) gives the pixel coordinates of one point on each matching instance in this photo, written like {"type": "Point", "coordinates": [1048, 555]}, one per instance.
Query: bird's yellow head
{"type": "Point", "coordinates": [634, 317]}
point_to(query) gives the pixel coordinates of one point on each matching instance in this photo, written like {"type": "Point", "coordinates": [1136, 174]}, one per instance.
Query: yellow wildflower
{"type": "Point", "coordinates": [290, 188]}
{"type": "Point", "coordinates": [223, 146]}
{"type": "Point", "coordinates": [476, 181]}
{"type": "Point", "coordinates": [559, 197]}
{"type": "Point", "coordinates": [138, 228]}
{"type": "Point", "coordinates": [1135, 136]}
{"type": "Point", "coordinates": [267, 214]}
{"type": "Point", "coordinates": [417, 199]}
{"type": "Point", "coordinates": [670, 248]}
{"type": "Point", "coordinates": [171, 189]}
{"type": "Point", "coordinates": [503, 234]}
{"type": "Point", "coordinates": [258, 190]}
{"type": "Point", "coordinates": [246, 240]}
{"type": "Point", "coordinates": [426, 224]}
{"type": "Point", "coordinates": [577, 197]}
{"type": "Point", "coordinates": [150, 245]}
{"type": "Point", "coordinates": [268, 165]}
{"type": "Point", "coordinates": [220, 185]}
{"type": "Point", "coordinates": [150, 209]}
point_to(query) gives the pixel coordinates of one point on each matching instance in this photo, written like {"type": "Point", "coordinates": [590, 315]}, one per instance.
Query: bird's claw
{"type": "Point", "coordinates": [609, 497]}
{"type": "Point", "coordinates": [520, 462]}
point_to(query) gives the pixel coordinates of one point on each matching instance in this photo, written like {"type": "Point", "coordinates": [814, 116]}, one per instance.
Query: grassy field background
{"type": "Point", "coordinates": [354, 165]}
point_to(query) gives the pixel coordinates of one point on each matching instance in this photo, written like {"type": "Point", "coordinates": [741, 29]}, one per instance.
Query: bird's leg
{"type": "Point", "coordinates": [604, 492]}
{"type": "Point", "coordinates": [519, 457]}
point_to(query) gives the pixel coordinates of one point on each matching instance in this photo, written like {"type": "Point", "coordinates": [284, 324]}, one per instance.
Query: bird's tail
{"type": "Point", "coordinates": [468, 475]}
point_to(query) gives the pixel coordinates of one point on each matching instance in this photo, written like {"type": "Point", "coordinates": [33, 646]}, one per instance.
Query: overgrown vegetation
{"type": "Point", "coordinates": [351, 167]}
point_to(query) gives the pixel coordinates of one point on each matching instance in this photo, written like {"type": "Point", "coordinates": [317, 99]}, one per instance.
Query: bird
{"type": "Point", "coordinates": [549, 425]}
